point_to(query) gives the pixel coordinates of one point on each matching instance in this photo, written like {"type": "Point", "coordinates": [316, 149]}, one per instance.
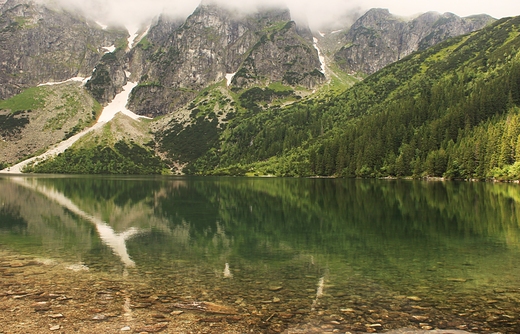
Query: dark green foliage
{"type": "Point", "coordinates": [123, 158]}
{"type": "Point", "coordinates": [108, 57]}
{"type": "Point", "coordinates": [11, 28]}
{"type": "Point", "coordinates": [294, 78]}
{"type": "Point", "coordinates": [76, 129]}
{"type": "Point", "coordinates": [187, 144]}
{"type": "Point", "coordinates": [99, 83]}
{"type": "Point", "coordinates": [247, 73]}
{"type": "Point", "coordinates": [167, 58]}
{"type": "Point", "coordinates": [252, 97]}
{"type": "Point", "coordinates": [12, 123]}
{"type": "Point", "coordinates": [144, 43]}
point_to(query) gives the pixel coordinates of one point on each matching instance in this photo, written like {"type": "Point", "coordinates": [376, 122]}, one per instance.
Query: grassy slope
{"type": "Point", "coordinates": [39, 117]}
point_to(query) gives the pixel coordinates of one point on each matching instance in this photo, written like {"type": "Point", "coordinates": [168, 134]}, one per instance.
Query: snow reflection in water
{"type": "Point", "coordinates": [116, 241]}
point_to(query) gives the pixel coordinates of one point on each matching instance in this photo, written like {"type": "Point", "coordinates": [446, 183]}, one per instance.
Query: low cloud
{"type": "Point", "coordinates": [135, 12]}
{"type": "Point", "coordinates": [316, 12]}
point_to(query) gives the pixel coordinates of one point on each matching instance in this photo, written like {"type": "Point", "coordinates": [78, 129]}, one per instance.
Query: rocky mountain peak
{"type": "Point", "coordinates": [379, 38]}
{"type": "Point", "coordinates": [214, 42]}
{"type": "Point", "coordinates": [374, 16]}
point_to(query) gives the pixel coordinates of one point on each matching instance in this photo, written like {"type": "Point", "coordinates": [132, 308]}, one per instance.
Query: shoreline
{"type": "Point", "coordinates": [4, 172]}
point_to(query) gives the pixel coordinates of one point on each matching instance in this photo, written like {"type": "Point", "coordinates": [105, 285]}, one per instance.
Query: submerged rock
{"type": "Point", "coordinates": [207, 307]}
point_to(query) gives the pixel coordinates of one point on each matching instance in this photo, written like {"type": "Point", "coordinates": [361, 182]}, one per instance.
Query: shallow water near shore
{"type": "Point", "coordinates": [278, 255]}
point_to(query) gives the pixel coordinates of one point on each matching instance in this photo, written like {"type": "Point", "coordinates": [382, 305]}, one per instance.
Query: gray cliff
{"type": "Point", "coordinates": [379, 38]}
{"type": "Point", "coordinates": [108, 78]}
{"type": "Point", "coordinates": [39, 44]}
{"type": "Point", "coordinates": [174, 64]}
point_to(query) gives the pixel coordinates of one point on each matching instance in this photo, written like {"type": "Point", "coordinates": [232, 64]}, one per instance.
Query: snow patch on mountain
{"type": "Point", "coordinates": [118, 104]}
{"type": "Point", "coordinates": [75, 79]}
{"type": "Point", "coordinates": [134, 33]}
{"type": "Point", "coordinates": [59, 148]}
{"type": "Point", "coordinates": [103, 26]}
{"type": "Point", "coordinates": [229, 77]}
{"type": "Point", "coordinates": [109, 49]}
{"type": "Point", "coordinates": [320, 55]}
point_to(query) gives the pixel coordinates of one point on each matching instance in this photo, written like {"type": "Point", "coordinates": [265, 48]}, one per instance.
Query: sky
{"type": "Point", "coordinates": [316, 12]}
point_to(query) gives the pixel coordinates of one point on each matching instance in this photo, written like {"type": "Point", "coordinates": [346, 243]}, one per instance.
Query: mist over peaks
{"type": "Point", "coordinates": [323, 14]}
{"type": "Point", "coordinates": [138, 12]}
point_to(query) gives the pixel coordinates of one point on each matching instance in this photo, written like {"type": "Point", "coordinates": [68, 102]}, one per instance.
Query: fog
{"type": "Point", "coordinates": [316, 13]}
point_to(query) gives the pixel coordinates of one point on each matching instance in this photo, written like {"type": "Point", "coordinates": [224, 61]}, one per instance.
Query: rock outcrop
{"type": "Point", "coordinates": [214, 42]}
{"type": "Point", "coordinates": [108, 78]}
{"type": "Point", "coordinates": [280, 56]}
{"type": "Point", "coordinates": [39, 44]}
{"type": "Point", "coordinates": [379, 38]}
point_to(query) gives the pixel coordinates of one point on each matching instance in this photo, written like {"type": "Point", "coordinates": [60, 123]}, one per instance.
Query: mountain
{"type": "Point", "coordinates": [236, 93]}
{"type": "Point", "coordinates": [379, 38]}
{"type": "Point", "coordinates": [120, 146]}
{"type": "Point", "coordinates": [171, 62]}
{"type": "Point", "coordinates": [40, 44]}
{"type": "Point", "coordinates": [216, 44]}
{"type": "Point", "coordinates": [451, 110]}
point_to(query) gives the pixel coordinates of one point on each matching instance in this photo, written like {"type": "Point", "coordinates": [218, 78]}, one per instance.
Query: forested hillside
{"type": "Point", "coordinates": [452, 111]}
{"type": "Point", "coordinates": [121, 146]}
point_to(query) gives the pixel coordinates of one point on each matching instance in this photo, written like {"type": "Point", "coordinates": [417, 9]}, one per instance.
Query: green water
{"type": "Point", "coordinates": [395, 253]}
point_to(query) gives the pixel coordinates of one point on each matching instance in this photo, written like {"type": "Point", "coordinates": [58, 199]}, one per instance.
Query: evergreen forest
{"type": "Point", "coordinates": [451, 111]}
{"type": "Point", "coordinates": [122, 158]}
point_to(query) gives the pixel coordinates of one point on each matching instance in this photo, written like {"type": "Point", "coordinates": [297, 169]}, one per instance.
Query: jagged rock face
{"type": "Point", "coordinates": [39, 44]}
{"type": "Point", "coordinates": [379, 38]}
{"type": "Point", "coordinates": [282, 57]}
{"type": "Point", "coordinates": [159, 32]}
{"type": "Point", "coordinates": [108, 79]}
{"type": "Point", "coordinates": [214, 42]}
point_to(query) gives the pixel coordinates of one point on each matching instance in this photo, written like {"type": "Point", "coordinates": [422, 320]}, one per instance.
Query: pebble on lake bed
{"type": "Point", "coordinates": [347, 310]}
{"type": "Point", "coordinates": [99, 317]}
{"type": "Point", "coordinates": [78, 267]}
{"type": "Point", "coordinates": [414, 298]}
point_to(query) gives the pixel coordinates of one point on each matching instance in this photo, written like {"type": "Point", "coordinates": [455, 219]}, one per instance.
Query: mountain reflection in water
{"type": "Point", "coordinates": [334, 246]}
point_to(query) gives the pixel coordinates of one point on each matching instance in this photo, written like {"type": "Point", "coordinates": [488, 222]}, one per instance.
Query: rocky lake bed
{"type": "Point", "coordinates": [48, 296]}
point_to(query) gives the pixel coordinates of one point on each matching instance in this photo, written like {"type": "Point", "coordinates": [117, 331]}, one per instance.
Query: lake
{"type": "Point", "coordinates": [297, 255]}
